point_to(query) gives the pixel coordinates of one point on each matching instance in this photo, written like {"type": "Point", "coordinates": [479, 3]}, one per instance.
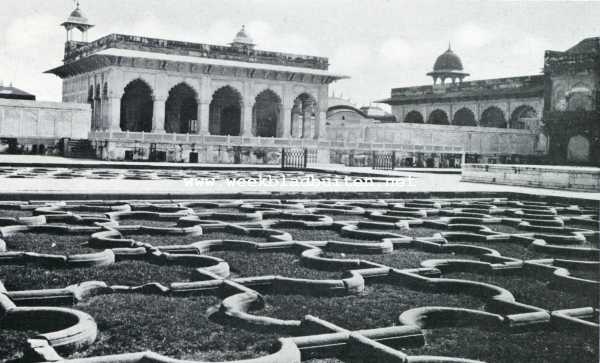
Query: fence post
{"type": "Point", "coordinates": [305, 158]}
{"type": "Point", "coordinates": [282, 158]}
{"type": "Point", "coordinates": [393, 160]}
{"type": "Point", "coordinates": [373, 161]}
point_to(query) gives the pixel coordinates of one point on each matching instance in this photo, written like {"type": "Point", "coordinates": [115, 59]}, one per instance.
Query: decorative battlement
{"type": "Point", "coordinates": [488, 88]}
{"type": "Point", "coordinates": [78, 50]}
{"type": "Point", "coordinates": [559, 62]}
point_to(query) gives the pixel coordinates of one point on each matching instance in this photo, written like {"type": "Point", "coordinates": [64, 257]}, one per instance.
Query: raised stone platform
{"type": "Point", "coordinates": [558, 177]}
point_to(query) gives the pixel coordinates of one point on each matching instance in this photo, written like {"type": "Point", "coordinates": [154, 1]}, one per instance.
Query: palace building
{"type": "Point", "coordinates": [156, 90]}
{"type": "Point", "coordinates": [511, 119]}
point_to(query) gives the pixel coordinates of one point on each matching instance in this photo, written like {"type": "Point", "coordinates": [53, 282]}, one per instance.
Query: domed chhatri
{"type": "Point", "coordinates": [448, 66]}
{"type": "Point", "coordinates": [242, 39]}
{"type": "Point", "coordinates": [77, 20]}
{"type": "Point", "coordinates": [448, 61]}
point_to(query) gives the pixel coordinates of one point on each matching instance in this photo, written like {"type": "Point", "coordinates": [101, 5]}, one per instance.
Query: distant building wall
{"type": "Point", "coordinates": [557, 177]}
{"type": "Point", "coordinates": [44, 120]}
{"type": "Point", "coordinates": [474, 140]}
{"type": "Point", "coordinates": [572, 107]}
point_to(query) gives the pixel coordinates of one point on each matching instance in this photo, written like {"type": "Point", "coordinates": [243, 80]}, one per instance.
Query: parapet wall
{"type": "Point", "coordinates": [559, 177]}
{"type": "Point", "coordinates": [47, 120]}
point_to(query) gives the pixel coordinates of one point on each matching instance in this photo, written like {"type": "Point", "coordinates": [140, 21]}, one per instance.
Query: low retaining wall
{"type": "Point", "coordinates": [46, 120]}
{"type": "Point", "coordinates": [557, 177]}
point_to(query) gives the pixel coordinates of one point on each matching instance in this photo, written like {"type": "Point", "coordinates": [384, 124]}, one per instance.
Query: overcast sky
{"type": "Point", "coordinates": [380, 44]}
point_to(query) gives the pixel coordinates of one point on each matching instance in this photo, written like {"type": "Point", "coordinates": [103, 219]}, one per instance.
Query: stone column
{"type": "Point", "coordinates": [203, 116]}
{"type": "Point", "coordinates": [158, 115]}
{"type": "Point", "coordinates": [320, 124]}
{"type": "Point", "coordinates": [114, 114]}
{"type": "Point", "coordinates": [305, 127]}
{"type": "Point", "coordinates": [285, 121]}
{"type": "Point", "coordinates": [246, 129]}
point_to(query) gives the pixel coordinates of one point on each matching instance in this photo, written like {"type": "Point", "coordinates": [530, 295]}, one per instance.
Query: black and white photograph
{"type": "Point", "coordinates": [324, 181]}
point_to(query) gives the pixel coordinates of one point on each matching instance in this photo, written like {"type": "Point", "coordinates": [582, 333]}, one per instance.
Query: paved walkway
{"type": "Point", "coordinates": [410, 182]}
{"type": "Point", "coordinates": [58, 161]}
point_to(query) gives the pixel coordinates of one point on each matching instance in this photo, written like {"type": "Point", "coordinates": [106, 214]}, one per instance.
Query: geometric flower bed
{"type": "Point", "coordinates": [486, 279]}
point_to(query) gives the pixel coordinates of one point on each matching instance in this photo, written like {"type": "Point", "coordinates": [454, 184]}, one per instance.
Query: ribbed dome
{"type": "Point", "coordinates": [448, 61]}
{"type": "Point", "coordinates": [242, 37]}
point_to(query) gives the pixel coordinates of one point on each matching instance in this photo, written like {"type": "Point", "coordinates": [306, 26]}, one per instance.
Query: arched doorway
{"type": "Point", "coordinates": [137, 107]}
{"type": "Point", "coordinates": [493, 117]}
{"type": "Point", "coordinates": [464, 117]}
{"type": "Point", "coordinates": [438, 117]}
{"type": "Point", "coordinates": [414, 117]}
{"type": "Point", "coordinates": [303, 116]}
{"type": "Point", "coordinates": [578, 149]}
{"type": "Point", "coordinates": [225, 112]}
{"type": "Point", "coordinates": [265, 114]}
{"type": "Point", "coordinates": [181, 107]}
{"type": "Point", "coordinates": [523, 117]}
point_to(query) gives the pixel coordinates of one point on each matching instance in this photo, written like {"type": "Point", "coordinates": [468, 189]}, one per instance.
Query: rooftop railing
{"type": "Point", "coordinates": [79, 50]}
{"type": "Point", "coordinates": [486, 85]}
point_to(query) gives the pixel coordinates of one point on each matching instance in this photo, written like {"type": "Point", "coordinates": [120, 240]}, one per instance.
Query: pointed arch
{"type": "Point", "coordinates": [137, 107]}
{"type": "Point", "coordinates": [225, 114]}
{"type": "Point", "coordinates": [265, 113]}
{"type": "Point", "coordinates": [579, 98]}
{"type": "Point", "coordinates": [438, 117]}
{"type": "Point", "coordinates": [414, 117]}
{"type": "Point", "coordinates": [464, 117]}
{"type": "Point", "coordinates": [522, 117]}
{"type": "Point", "coordinates": [181, 107]}
{"type": "Point", "coordinates": [493, 117]}
{"type": "Point", "coordinates": [303, 116]}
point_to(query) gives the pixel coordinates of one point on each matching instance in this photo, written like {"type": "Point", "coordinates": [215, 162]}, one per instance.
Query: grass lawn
{"type": "Point", "coordinates": [173, 239]}
{"type": "Point", "coordinates": [378, 306]}
{"type": "Point", "coordinates": [12, 343]}
{"type": "Point", "coordinates": [217, 210]}
{"type": "Point", "coordinates": [508, 249]}
{"type": "Point", "coordinates": [31, 277]}
{"type": "Point", "coordinates": [58, 244]}
{"type": "Point", "coordinates": [577, 224]}
{"type": "Point", "coordinates": [13, 213]}
{"type": "Point", "coordinates": [174, 326]}
{"type": "Point", "coordinates": [540, 346]}
{"type": "Point", "coordinates": [503, 228]}
{"type": "Point", "coordinates": [147, 222]}
{"type": "Point", "coordinates": [299, 234]}
{"type": "Point", "coordinates": [586, 274]}
{"type": "Point", "coordinates": [246, 264]}
{"type": "Point", "coordinates": [531, 291]}
{"type": "Point", "coordinates": [401, 259]}
{"type": "Point", "coordinates": [417, 231]}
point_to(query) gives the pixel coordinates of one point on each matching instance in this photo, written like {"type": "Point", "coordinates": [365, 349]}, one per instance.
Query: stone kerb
{"type": "Point", "coordinates": [77, 329]}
